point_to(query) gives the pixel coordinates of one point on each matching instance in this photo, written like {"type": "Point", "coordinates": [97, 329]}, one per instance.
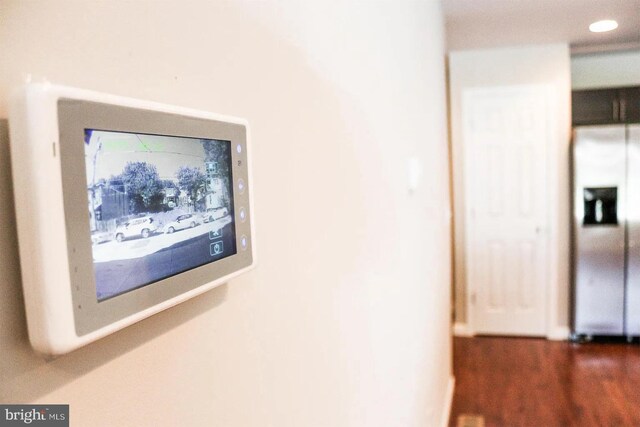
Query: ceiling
{"type": "Point", "coordinates": [474, 24]}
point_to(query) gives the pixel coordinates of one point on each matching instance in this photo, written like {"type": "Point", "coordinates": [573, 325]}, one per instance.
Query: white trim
{"type": "Point", "coordinates": [446, 413]}
{"type": "Point", "coordinates": [468, 229]}
{"type": "Point", "coordinates": [559, 333]}
{"type": "Point", "coordinates": [554, 169]}
{"type": "Point", "coordinates": [462, 330]}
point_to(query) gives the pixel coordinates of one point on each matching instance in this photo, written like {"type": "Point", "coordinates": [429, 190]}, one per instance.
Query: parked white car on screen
{"type": "Point", "coordinates": [214, 213]}
{"type": "Point", "coordinates": [181, 222]}
{"type": "Point", "coordinates": [136, 227]}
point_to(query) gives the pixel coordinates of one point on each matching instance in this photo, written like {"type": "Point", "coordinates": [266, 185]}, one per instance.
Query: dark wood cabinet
{"type": "Point", "coordinates": [606, 106]}
{"type": "Point", "coordinates": [595, 107]}
{"type": "Point", "coordinates": [630, 105]}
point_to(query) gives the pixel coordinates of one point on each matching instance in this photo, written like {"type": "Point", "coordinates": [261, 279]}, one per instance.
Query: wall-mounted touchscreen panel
{"type": "Point", "coordinates": [125, 208]}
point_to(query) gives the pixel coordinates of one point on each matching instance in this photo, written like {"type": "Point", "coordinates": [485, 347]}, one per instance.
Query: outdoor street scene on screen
{"type": "Point", "coordinates": [158, 206]}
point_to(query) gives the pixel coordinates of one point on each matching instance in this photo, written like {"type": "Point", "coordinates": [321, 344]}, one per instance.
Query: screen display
{"type": "Point", "coordinates": [158, 205]}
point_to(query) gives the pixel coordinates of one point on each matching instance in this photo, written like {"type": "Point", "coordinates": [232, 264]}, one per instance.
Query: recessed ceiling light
{"type": "Point", "coordinates": [603, 26]}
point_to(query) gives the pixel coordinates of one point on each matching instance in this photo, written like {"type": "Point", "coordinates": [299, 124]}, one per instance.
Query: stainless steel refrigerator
{"type": "Point", "coordinates": [606, 237]}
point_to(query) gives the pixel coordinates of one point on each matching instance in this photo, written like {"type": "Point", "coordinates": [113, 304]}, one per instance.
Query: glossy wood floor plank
{"type": "Point", "coordinates": [535, 382]}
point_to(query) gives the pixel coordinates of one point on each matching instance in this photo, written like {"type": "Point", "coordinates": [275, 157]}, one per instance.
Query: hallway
{"type": "Point", "coordinates": [535, 382]}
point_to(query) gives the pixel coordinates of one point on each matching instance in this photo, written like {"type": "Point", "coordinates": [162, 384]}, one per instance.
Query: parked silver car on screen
{"type": "Point", "coordinates": [181, 222]}
{"type": "Point", "coordinates": [214, 213]}
{"type": "Point", "coordinates": [136, 227]}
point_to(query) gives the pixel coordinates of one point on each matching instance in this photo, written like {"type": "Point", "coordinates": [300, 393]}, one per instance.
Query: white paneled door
{"type": "Point", "coordinates": [505, 140]}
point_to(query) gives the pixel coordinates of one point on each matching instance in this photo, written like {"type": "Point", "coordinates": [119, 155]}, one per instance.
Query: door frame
{"type": "Point", "coordinates": [554, 167]}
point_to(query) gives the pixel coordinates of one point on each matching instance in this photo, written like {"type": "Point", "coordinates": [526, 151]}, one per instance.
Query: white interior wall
{"type": "Point", "coordinates": [605, 69]}
{"type": "Point", "coordinates": [345, 321]}
{"type": "Point", "coordinates": [544, 64]}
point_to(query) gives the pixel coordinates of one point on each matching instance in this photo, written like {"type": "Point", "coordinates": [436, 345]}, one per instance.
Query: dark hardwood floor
{"type": "Point", "coordinates": [535, 382]}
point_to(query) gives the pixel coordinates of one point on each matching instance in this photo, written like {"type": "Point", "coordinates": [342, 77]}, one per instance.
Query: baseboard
{"type": "Point", "coordinates": [559, 333]}
{"type": "Point", "coordinates": [446, 413]}
{"type": "Point", "coordinates": [462, 330]}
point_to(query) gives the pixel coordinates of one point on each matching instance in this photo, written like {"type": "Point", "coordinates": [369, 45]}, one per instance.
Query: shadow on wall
{"type": "Point", "coordinates": [22, 378]}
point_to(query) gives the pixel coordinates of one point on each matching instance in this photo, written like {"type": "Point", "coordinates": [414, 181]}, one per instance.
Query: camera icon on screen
{"type": "Point", "coordinates": [216, 248]}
